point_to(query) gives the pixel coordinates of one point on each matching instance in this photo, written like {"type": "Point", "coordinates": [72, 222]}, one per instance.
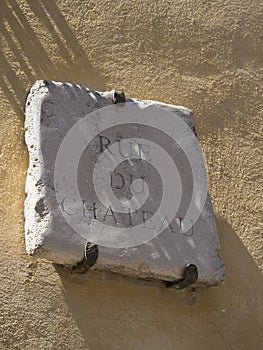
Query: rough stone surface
{"type": "Point", "coordinates": [212, 65]}
{"type": "Point", "coordinates": [52, 109]}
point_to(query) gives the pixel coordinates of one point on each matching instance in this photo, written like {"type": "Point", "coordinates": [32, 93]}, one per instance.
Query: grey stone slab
{"type": "Point", "coordinates": [129, 177]}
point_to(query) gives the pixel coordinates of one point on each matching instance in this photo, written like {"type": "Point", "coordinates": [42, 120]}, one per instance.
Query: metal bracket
{"type": "Point", "coordinates": [91, 254]}
{"type": "Point", "coordinates": [118, 97]}
{"type": "Point", "coordinates": [190, 276]}
{"type": "Point", "coordinates": [114, 96]}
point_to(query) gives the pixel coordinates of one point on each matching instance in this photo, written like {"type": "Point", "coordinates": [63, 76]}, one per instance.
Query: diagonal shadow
{"type": "Point", "coordinates": [141, 312]}
{"type": "Point", "coordinates": [25, 47]}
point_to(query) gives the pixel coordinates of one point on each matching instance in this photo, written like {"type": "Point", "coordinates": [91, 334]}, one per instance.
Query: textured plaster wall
{"type": "Point", "coordinates": [205, 55]}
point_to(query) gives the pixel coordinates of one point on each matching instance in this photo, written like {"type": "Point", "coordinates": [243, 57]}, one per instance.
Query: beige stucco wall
{"type": "Point", "coordinates": [205, 55]}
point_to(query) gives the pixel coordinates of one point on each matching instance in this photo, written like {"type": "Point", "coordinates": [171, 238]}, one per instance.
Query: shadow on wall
{"type": "Point", "coordinates": [114, 315]}
{"type": "Point", "coordinates": [26, 58]}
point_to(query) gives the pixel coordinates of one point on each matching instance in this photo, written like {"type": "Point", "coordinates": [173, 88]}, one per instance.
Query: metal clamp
{"type": "Point", "coordinates": [190, 276]}
{"type": "Point", "coordinates": [91, 254]}
{"type": "Point", "coordinates": [118, 97]}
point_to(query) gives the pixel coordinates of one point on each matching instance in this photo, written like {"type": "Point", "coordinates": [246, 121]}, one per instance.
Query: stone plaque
{"type": "Point", "coordinates": [128, 177]}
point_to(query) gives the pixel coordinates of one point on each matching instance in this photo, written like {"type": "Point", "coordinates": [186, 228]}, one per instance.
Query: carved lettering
{"type": "Point", "coordinates": [123, 154]}
{"type": "Point", "coordinates": [140, 151]}
{"type": "Point", "coordinates": [136, 191]}
{"type": "Point", "coordinates": [144, 151]}
{"type": "Point", "coordinates": [104, 144]}
{"type": "Point", "coordinates": [68, 202]}
{"type": "Point", "coordinates": [90, 210]}
{"type": "Point", "coordinates": [110, 212]}
{"type": "Point", "coordinates": [121, 179]}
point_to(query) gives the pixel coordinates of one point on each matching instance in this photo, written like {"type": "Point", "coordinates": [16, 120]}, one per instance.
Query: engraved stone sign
{"type": "Point", "coordinates": [127, 177]}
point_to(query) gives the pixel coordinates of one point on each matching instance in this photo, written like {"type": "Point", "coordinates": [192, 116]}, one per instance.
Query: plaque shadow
{"type": "Point", "coordinates": [107, 308]}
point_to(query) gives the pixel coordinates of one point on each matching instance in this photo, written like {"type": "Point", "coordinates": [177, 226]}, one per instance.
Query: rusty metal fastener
{"type": "Point", "coordinates": [190, 276]}
{"type": "Point", "coordinates": [91, 254]}
{"type": "Point", "coordinates": [118, 96]}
